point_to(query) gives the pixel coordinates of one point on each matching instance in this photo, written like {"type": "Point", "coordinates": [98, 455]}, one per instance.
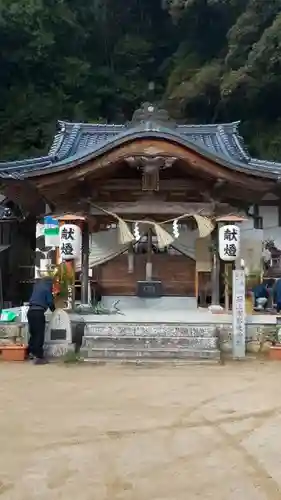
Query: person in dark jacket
{"type": "Point", "coordinates": [261, 295]}
{"type": "Point", "coordinates": [277, 294]}
{"type": "Point", "coordinates": [41, 299]}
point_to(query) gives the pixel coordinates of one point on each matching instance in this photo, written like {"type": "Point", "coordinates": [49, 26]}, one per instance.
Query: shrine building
{"type": "Point", "coordinates": [149, 173]}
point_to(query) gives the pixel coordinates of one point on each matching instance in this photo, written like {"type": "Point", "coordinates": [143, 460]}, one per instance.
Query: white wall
{"type": "Point", "coordinates": [271, 229]}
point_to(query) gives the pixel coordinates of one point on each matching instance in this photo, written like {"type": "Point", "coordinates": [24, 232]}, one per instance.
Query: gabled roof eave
{"type": "Point", "coordinates": [262, 170]}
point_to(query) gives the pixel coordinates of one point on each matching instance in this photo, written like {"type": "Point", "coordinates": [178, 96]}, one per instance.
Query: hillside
{"type": "Point", "coordinates": [209, 61]}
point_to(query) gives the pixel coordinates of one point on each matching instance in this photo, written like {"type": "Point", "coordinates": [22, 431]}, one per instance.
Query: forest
{"type": "Point", "coordinates": [205, 61]}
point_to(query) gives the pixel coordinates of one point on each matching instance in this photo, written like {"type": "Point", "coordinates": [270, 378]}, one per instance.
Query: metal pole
{"type": "Point", "coordinates": [148, 270]}
{"type": "Point", "coordinates": [85, 264]}
{"type": "Point", "coordinates": [215, 269]}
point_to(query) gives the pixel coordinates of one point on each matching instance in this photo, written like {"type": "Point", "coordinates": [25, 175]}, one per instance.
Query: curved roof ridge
{"type": "Point", "coordinates": [221, 143]}
{"type": "Point", "coordinates": [273, 166]}
{"type": "Point", "coordinates": [28, 162]}
{"type": "Point", "coordinates": [224, 142]}
{"type": "Point", "coordinates": [67, 145]}
{"type": "Point", "coordinates": [103, 126]}
{"type": "Point", "coordinates": [162, 133]}
{"type": "Point", "coordinates": [69, 125]}
{"type": "Point", "coordinates": [232, 126]}
{"type": "Point", "coordinates": [57, 142]}
{"type": "Point", "coordinates": [240, 143]}
{"type": "Point", "coordinates": [234, 145]}
{"type": "Point", "coordinates": [74, 137]}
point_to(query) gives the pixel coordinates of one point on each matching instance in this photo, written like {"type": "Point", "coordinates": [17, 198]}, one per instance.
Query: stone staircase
{"type": "Point", "coordinates": [149, 341]}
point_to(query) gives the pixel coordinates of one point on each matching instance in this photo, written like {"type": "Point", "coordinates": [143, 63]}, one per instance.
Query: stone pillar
{"type": "Point", "coordinates": [85, 264]}
{"type": "Point", "coordinates": [215, 274]}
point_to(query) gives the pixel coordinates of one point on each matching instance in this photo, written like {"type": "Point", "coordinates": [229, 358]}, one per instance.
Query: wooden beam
{"type": "Point", "coordinates": [180, 184]}
{"type": "Point", "coordinates": [25, 195]}
{"type": "Point", "coordinates": [269, 203]}
{"type": "Point", "coordinates": [160, 208]}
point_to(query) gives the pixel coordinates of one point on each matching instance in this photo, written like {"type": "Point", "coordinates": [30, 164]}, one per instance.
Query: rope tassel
{"type": "Point", "coordinates": [125, 235]}
{"type": "Point", "coordinates": [164, 239]}
{"type": "Point", "coordinates": [205, 226]}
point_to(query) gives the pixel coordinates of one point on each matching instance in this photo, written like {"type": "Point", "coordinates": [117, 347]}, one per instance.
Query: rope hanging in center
{"type": "Point", "coordinates": [204, 224]}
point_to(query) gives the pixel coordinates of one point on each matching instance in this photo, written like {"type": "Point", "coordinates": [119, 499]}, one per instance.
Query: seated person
{"type": "Point", "coordinates": [277, 294]}
{"type": "Point", "coordinates": [261, 295]}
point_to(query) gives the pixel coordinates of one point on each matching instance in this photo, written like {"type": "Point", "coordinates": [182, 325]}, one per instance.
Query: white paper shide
{"type": "Point", "coordinates": [229, 242]}
{"type": "Point", "coordinates": [70, 242]}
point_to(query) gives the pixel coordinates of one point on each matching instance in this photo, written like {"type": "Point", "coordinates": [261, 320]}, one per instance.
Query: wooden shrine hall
{"type": "Point", "coordinates": [145, 172]}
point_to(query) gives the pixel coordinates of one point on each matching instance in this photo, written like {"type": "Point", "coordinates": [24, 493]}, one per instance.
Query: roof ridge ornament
{"type": "Point", "coordinates": [152, 113]}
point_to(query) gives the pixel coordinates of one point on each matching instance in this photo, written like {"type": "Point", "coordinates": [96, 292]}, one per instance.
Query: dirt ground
{"type": "Point", "coordinates": [135, 433]}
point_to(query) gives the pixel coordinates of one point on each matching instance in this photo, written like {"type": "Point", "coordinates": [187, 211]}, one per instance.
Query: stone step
{"type": "Point", "coordinates": [134, 353]}
{"type": "Point", "coordinates": [148, 330]}
{"type": "Point", "coordinates": [151, 363]}
{"type": "Point", "coordinates": [152, 342]}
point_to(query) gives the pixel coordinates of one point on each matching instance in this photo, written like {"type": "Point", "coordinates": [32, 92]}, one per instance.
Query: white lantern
{"type": "Point", "coordinates": [70, 242]}
{"type": "Point", "coordinates": [229, 242]}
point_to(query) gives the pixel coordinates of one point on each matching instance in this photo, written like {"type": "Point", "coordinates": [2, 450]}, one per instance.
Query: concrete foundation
{"type": "Point", "coordinates": [127, 303]}
{"type": "Point", "coordinates": [153, 332]}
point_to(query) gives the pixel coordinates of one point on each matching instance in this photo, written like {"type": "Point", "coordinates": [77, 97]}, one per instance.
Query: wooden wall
{"type": "Point", "coordinates": [177, 273]}
{"type": "Point", "coordinates": [17, 261]}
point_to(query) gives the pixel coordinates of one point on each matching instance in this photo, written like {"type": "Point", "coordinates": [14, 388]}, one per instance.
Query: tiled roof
{"type": "Point", "coordinates": [77, 142]}
{"type": "Point", "coordinates": [81, 138]}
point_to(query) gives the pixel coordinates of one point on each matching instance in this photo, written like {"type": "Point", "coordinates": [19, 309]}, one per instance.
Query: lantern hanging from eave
{"type": "Point", "coordinates": [229, 242]}
{"type": "Point", "coordinates": [70, 242]}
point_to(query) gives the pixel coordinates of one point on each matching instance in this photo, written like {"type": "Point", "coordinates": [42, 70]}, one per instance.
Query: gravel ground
{"type": "Point", "coordinates": [136, 433]}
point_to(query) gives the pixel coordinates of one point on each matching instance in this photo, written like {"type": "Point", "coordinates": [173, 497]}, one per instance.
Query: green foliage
{"type": "Point", "coordinates": [71, 357]}
{"type": "Point", "coordinates": [210, 60]}
{"type": "Point", "coordinates": [65, 277]}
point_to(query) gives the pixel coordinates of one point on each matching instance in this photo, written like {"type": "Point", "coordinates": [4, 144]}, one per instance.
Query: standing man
{"type": "Point", "coordinates": [40, 300]}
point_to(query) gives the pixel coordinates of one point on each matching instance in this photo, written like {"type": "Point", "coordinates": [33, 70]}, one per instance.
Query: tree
{"type": "Point", "coordinates": [209, 60]}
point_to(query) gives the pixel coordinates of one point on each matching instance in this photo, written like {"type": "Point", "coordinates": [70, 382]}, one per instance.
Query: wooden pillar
{"type": "Point", "coordinates": [148, 269]}
{"type": "Point", "coordinates": [215, 275]}
{"type": "Point", "coordinates": [131, 259]}
{"type": "Point", "coordinates": [85, 263]}
{"type": "Point", "coordinates": [197, 286]}
{"type": "Point", "coordinates": [227, 277]}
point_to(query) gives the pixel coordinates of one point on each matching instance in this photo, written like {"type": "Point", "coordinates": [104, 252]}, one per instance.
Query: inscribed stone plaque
{"type": "Point", "coordinates": [59, 327]}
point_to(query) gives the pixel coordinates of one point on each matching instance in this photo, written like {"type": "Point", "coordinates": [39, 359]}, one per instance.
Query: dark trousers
{"type": "Point", "coordinates": [36, 324]}
{"type": "Point", "coordinates": [278, 306]}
